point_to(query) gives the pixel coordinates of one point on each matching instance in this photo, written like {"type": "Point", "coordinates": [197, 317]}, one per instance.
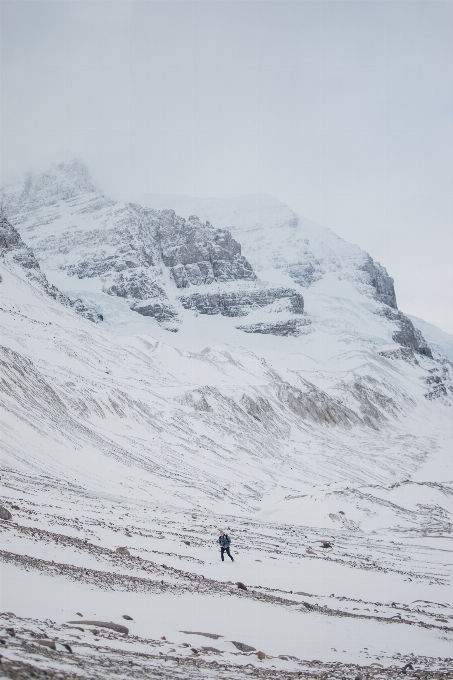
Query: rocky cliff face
{"type": "Point", "coordinates": [198, 254]}
{"type": "Point", "coordinates": [164, 265]}
{"type": "Point", "coordinates": [130, 249]}
{"type": "Point", "coordinates": [381, 282]}
{"type": "Point", "coordinates": [240, 303]}
{"type": "Point", "coordinates": [12, 247]}
{"type": "Point", "coordinates": [407, 335]}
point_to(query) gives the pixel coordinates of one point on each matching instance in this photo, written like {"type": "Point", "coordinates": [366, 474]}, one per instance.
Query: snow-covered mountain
{"type": "Point", "coordinates": [236, 366]}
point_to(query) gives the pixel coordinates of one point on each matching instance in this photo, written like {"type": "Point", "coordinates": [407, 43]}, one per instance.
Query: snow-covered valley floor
{"type": "Point", "coordinates": [367, 604]}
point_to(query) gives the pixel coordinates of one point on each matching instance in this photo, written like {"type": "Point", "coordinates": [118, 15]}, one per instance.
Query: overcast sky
{"type": "Point", "coordinates": [342, 109]}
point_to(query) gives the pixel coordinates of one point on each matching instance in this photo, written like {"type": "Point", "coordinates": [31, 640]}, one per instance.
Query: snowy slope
{"type": "Point", "coordinates": [124, 433]}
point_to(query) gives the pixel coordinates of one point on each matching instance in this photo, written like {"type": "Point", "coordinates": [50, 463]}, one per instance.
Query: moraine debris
{"type": "Point", "coordinates": [105, 624]}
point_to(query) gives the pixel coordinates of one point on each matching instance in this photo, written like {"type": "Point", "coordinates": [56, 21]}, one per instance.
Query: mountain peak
{"type": "Point", "coordinates": [62, 181]}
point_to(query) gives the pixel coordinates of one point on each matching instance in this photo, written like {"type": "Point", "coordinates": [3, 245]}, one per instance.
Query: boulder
{"type": "Point", "coordinates": [122, 551]}
{"type": "Point", "coordinates": [46, 643]}
{"type": "Point", "coordinates": [214, 636]}
{"type": "Point", "coordinates": [4, 513]}
{"type": "Point", "coordinates": [104, 624]}
{"type": "Point", "coordinates": [243, 647]}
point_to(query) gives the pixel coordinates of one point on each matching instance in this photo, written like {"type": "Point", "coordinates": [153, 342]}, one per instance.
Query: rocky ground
{"type": "Point", "coordinates": [84, 552]}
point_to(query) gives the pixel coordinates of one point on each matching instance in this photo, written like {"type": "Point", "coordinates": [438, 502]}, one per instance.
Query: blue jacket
{"type": "Point", "coordinates": [224, 541]}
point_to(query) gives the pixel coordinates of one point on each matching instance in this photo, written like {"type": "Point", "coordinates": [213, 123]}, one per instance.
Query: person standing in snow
{"type": "Point", "coordinates": [224, 542]}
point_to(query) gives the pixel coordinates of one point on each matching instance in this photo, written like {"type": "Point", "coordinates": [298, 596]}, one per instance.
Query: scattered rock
{"type": "Point", "coordinates": [186, 542]}
{"type": "Point", "coordinates": [241, 585]}
{"type": "Point", "coordinates": [261, 655]}
{"type": "Point", "coordinates": [122, 551]}
{"type": "Point", "coordinates": [208, 635]}
{"type": "Point", "coordinates": [46, 643]}
{"type": "Point", "coordinates": [127, 617]}
{"type": "Point", "coordinates": [308, 605]}
{"type": "Point", "coordinates": [126, 533]}
{"type": "Point", "coordinates": [243, 647]}
{"type": "Point", "coordinates": [4, 513]}
{"type": "Point", "coordinates": [104, 624]}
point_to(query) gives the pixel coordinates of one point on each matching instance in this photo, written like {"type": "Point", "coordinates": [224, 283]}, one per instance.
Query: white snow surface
{"type": "Point", "coordinates": [125, 434]}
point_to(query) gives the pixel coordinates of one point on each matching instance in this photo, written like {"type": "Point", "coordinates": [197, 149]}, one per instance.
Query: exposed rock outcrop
{"type": "Point", "coordinates": [197, 254]}
{"type": "Point", "coordinates": [4, 513]}
{"type": "Point", "coordinates": [381, 282]}
{"type": "Point", "coordinates": [315, 405]}
{"type": "Point", "coordinates": [409, 336]}
{"type": "Point", "coordinates": [159, 309]}
{"type": "Point", "coordinates": [240, 303]}
{"type": "Point", "coordinates": [293, 327]}
{"type": "Point", "coordinates": [305, 273]}
{"type": "Point", "coordinates": [11, 245]}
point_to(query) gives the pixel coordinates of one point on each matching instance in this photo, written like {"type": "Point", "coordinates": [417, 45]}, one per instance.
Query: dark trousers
{"type": "Point", "coordinates": [227, 551]}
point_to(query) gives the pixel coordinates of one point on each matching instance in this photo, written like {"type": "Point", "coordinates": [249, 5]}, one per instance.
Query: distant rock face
{"type": "Point", "coordinates": [157, 308]}
{"type": "Point", "coordinates": [305, 273]}
{"type": "Point", "coordinates": [11, 245]}
{"type": "Point", "coordinates": [239, 303]}
{"type": "Point", "coordinates": [407, 335]}
{"type": "Point", "coordinates": [197, 254]}
{"type": "Point", "coordinates": [293, 327]}
{"type": "Point", "coordinates": [381, 282]}
{"type": "Point", "coordinates": [139, 254]}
